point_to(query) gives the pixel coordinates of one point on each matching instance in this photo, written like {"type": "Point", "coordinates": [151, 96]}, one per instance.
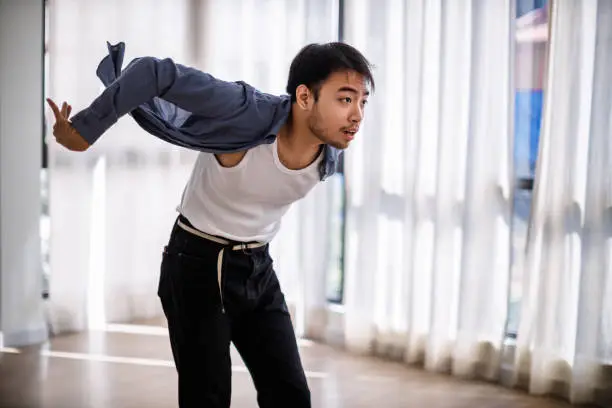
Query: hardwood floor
{"type": "Point", "coordinates": [131, 366]}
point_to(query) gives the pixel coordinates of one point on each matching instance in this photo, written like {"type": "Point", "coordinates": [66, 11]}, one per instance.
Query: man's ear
{"type": "Point", "coordinates": [303, 96]}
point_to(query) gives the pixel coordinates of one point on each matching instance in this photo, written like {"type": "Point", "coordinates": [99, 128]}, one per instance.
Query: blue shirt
{"type": "Point", "coordinates": [186, 107]}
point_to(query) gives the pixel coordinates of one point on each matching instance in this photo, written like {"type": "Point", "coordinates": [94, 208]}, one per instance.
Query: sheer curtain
{"type": "Point", "coordinates": [564, 343]}
{"type": "Point", "coordinates": [429, 185]}
{"type": "Point", "coordinates": [112, 207]}
{"type": "Point", "coordinates": [266, 35]}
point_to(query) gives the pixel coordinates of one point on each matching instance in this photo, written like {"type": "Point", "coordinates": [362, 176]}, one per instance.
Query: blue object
{"type": "Point", "coordinates": [527, 124]}
{"type": "Point", "coordinates": [525, 6]}
{"type": "Point", "coordinates": [186, 107]}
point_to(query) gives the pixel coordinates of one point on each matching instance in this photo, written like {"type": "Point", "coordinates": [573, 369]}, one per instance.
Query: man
{"type": "Point", "coordinates": [259, 154]}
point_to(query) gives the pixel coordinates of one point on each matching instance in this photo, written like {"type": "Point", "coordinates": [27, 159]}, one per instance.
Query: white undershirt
{"type": "Point", "coordinates": [245, 202]}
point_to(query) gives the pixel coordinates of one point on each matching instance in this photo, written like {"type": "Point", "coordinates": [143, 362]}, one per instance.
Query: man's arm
{"type": "Point", "coordinates": [143, 80]}
{"type": "Point", "coordinates": [149, 77]}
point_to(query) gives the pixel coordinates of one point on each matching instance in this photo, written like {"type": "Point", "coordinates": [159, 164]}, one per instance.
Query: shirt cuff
{"type": "Point", "coordinates": [90, 125]}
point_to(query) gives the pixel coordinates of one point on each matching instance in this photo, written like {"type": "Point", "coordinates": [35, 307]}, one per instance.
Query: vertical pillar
{"type": "Point", "coordinates": [21, 129]}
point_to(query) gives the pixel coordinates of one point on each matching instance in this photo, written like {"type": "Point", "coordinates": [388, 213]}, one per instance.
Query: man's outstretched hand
{"type": "Point", "coordinates": [64, 133]}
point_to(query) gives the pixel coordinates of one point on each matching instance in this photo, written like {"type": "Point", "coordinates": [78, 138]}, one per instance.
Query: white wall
{"type": "Point", "coordinates": [21, 125]}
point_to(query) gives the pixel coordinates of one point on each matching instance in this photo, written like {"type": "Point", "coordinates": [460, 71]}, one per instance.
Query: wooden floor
{"type": "Point", "coordinates": [131, 366]}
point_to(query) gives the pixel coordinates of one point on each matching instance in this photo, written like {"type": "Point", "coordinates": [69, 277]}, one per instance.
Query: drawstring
{"type": "Point", "coordinates": [220, 277]}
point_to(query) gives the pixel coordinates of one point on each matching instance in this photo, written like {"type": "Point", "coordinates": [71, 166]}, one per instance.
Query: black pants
{"type": "Point", "coordinates": [245, 306]}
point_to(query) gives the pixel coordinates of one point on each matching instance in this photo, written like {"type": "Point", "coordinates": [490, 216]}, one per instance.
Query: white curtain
{"type": "Point", "coordinates": [564, 344]}
{"type": "Point", "coordinates": [265, 36]}
{"type": "Point", "coordinates": [429, 184]}
{"type": "Point", "coordinates": [112, 207]}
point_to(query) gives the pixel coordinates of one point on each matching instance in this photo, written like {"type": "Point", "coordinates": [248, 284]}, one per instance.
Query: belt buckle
{"type": "Point", "coordinates": [244, 247]}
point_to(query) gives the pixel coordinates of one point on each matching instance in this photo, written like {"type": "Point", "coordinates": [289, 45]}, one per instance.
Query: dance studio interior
{"type": "Point", "coordinates": [459, 256]}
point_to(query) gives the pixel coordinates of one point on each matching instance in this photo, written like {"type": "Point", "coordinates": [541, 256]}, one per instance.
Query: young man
{"type": "Point", "coordinates": [259, 154]}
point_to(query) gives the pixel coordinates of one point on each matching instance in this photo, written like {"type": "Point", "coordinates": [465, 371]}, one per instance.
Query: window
{"type": "Point", "coordinates": [530, 70]}
{"type": "Point", "coordinates": [337, 214]}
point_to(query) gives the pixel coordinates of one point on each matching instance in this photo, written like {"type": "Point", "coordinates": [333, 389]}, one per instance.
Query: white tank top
{"type": "Point", "coordinates": [245, 202]}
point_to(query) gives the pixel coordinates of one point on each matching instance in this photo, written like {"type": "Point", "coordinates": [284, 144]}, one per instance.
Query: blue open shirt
{"type": "Point", "coordinates": [186, 107]}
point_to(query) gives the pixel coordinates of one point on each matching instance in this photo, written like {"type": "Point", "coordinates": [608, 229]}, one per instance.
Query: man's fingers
{"type": "Point", "coordinates": [64, 109]}
{"type": "Point", "coordinates": [68, 112]}
{"type": "Point", "coordinates": [55, 109]}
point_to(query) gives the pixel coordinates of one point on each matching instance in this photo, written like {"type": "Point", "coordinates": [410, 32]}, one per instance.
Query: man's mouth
{"type": "Point", "coordinates": [349, 134]}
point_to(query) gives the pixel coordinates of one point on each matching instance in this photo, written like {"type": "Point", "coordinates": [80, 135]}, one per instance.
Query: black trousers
{"type": "Point", "coordinates": [211, 300]}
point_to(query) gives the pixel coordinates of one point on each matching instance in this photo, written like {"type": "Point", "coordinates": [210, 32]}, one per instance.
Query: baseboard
{"type": "Point", "coordinates": [24, 338]}
{"type": "Point", "coordinates": [334, 334]}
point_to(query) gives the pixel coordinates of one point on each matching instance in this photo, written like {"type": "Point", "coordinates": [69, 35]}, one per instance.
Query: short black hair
{"type": "Point", "coordinates": [316, 62]}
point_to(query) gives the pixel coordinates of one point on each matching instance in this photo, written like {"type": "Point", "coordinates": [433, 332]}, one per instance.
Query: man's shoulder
{"type": "Point", "coordinates": [261, 113]}
{"type": "Point", "coordinates": [263, 97]}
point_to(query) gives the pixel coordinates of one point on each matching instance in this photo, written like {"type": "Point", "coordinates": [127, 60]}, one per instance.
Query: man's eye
{"type": "Point", "coordinates": [346, 99]}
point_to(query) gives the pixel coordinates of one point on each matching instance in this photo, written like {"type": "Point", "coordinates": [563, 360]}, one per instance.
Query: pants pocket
{"type": "Point", "coordinates": [163, 273]}
{"type": "Point", "coordinates": [189, 283]}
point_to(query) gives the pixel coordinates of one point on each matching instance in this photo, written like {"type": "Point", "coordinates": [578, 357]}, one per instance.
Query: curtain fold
{"type": "Point", "coordinates": [564, 344]}
{"type": "Point", "coordinates": [429, 185]}
{"type": "Point", "coordinates": [111, 209]}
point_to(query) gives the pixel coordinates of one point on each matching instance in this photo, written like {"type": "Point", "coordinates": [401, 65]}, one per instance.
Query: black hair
{"type": "Point", "coordinates": [316, 62]}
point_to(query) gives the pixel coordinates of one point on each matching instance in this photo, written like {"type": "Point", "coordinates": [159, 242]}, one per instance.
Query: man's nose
{"type": "Point", "coordinates": [357, 115]}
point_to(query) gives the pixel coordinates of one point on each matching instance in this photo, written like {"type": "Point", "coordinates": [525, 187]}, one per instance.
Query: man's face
{"type": "Point", "coordinates": [337, 113]}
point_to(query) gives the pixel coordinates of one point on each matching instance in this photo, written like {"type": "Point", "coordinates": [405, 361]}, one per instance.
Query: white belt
{"type": "Point", "coordinates": [237, 247]}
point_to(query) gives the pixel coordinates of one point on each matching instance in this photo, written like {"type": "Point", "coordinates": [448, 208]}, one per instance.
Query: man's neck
{"type": "Point", "coordinates": [297, 146]}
